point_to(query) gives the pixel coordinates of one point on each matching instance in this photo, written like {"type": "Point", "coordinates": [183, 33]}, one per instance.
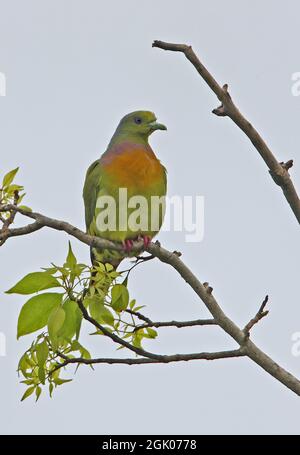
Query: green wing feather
{"type": "Point", "coordinates": [90, 191]}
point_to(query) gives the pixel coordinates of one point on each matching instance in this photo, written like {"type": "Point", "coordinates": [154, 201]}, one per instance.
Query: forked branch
{"type": "Point", "coordinates": [204, 292]}
{"type": "Point", "coordinates": [280, 174]}
{"type": "Point", "coordinates": [278, 170]}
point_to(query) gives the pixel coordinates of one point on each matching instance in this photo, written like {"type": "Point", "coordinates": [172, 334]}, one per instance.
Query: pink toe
{"type": "Point", "coordinates": [146, 240]}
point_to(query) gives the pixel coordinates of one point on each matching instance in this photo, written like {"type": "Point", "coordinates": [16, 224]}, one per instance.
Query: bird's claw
{"type": "Point", "coordinates": [146, 240]}
{"type": "Point", "coordinates": [128, 244]}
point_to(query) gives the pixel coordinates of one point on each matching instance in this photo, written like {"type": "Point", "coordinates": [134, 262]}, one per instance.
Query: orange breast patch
{"type": "Point", "coordinates": [133, 166]}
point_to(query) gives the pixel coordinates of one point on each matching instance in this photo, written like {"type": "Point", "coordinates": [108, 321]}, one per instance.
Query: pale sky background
{"type": "Point", "coordinates": [73, 69]}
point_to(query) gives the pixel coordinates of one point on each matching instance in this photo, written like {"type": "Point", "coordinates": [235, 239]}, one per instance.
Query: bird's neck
{"type": "Point", "coordinates": [119, 138]}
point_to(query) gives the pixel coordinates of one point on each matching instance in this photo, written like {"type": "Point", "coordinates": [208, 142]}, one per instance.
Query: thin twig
{"type": "Point", "coordinates": [204, 293]}
{"type": "Point", "coordinates": [259, 315]}
{"type": "Point", "coordinates": [59, 225]}
{"type": "Point", "coordinates": [278, 171]}
{"type": "Point", "coordinates": [116, 338]}
{"type": "Point", "coordinates": [178, 324]}
{"type": "Point", "coordinates": [15, 232]}
{"type": "Point", "coordinates": [253, 352]}
{"type": "Point", "coordinates": [9, 220]}
{"type": "Point", "coordinates": [139, 315]}
{"type": "Point", "coordinates": [164, 359]}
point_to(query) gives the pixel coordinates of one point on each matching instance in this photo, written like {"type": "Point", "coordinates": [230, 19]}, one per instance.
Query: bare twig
{"type": "Point", "coordinates": [15, 232]}
{"type": "Point", "coordinates": [204, 293]}
{"type": "Point", "coordinates": [9, 220]}
{"type": "Point", "coordinates": [139, 315]}
{"type": "Point", "coordinates": [224, 322]}
{"type": "Point", "coordinates": [143, 361]}
{"type": "Point", "coordinates": [278, 171]}
{"type": "Point", "coordinates": [178, 324]}
{"type": "Point", "coordinates": [120, 341]}
{"type": "Point", "coordinates": [259, 315]}
{"type": "Point", "coordinates": [147, 357]}
{"type": "Point", "coordinates": [59, 225]}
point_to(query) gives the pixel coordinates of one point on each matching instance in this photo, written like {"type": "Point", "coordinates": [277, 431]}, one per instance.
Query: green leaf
{"type": "Point", "coordinates": [42, 374]}
{"type": "Point", "coordinates": [151, 332]}
{"type": "Point", "coordinates": [132, 304]}
{"type": "Point", "coordinates": [12, 188]}
{"type": "Point", "coordinates": [8, 178]}
{"type": "Point", "coordinates": [55, 323]}
{"type": "Point", "coordinates": [24, 365]}
{"type": "Point", "coordinates": [27, 381]}
{"type": "Point", "coordinates": [71, 260]}
{"type": "Point", "coordinates": [76, 346]}
{"type": "Point", "coordinates": [59, 381]}
{"type": "Point", "coordinates": [21, 197]}
{"type": "Point", "coordinates": [119, 297]}
{"type": "Point", "coordinates": [38, 392]}
{"type": "Point", "coordinates": [51, 386]}
{"type": "Point", "coordinates": [25, 208]}
{"type": "Point", "coordinates": [35, 313]}
{"type": "Point", "coordinates": [99, 312]}
{"type": "Point", "coordinates": [137, 339]}
{"type": "Point", "coordinates": [34, 282]}
{"type": "Point", "coordinates": [87, 300]}
{"type": "Point", "coordinates": [109, 267]}
{"type": "Point", "coordinates": [28, 392]}
{"type": "Point", "coordinates": [42, 352]}
{"type": "Point", "coordinates": [101, 267]}
{"type": "Point", "coordinates": [72, 322]}
{"type": "Point", "coordinates": [138, 308]}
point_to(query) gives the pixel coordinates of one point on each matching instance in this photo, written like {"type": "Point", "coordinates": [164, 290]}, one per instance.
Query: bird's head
{"type": "Point", "coordinates": [138, 125]}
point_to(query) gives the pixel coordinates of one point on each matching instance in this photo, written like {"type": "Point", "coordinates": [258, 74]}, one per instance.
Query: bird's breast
{"type": "Point", "coordinates": [133, 166]}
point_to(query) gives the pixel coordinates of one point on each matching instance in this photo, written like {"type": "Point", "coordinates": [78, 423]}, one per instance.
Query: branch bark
{"type": "Point", "coordinates": [204, 292]}
{"type": "Point", "coordinates": [178, 324]}
{"type": "Point", "coordinates": [164, 358]}
{"type": "Point", "coordinates": [59, 225]}
{"type": "Point", "coordinates": [251, 350]}
{"type": "Point", "coordinates": [278, 171]}
{"type": "Point", "coordinates": [262, 313]}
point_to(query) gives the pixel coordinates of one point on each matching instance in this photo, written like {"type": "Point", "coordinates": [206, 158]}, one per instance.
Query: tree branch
{"type": "Point", "coordinates": [143, 361]}
{"type": "Point", "coordinates": [10, 219]}
{"type": "Point", "coordinates": [223, 321]}
{"type": "Point", "coordinates": [59, 225]}
{"type": "Point", "coordinates": [204, 292]}
{"type": "Point", "coordinates": [278, 171]}
{"type": "Point", "coordinates": [115, 337]}
{"type": "Point", "coordinates": [178, 324]}
{"type": "Point", "coordinates": [15, 232]}
{"type": "Point", "coordinates": [259, 315]}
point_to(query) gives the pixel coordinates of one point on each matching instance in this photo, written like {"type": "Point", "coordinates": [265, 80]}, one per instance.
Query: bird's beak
{"type": "Point", "coordinates": [157, 126]}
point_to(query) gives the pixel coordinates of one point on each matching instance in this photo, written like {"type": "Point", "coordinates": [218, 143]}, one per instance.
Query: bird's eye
{"type": "Point", "coordinates": [138, 120]}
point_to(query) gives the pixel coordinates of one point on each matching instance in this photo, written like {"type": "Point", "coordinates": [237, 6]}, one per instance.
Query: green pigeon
{"type": "Point", "coordinates": [130, 168]}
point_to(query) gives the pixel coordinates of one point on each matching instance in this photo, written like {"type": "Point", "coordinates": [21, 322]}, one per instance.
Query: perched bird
{"type": "Point", "coordinates": [129, 164]}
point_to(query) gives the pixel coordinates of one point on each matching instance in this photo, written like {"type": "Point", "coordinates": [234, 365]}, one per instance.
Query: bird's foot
{"type": "Point", "coordinates": [146, 240]}
{"type": "Point", "coordinates": [127, 245]}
